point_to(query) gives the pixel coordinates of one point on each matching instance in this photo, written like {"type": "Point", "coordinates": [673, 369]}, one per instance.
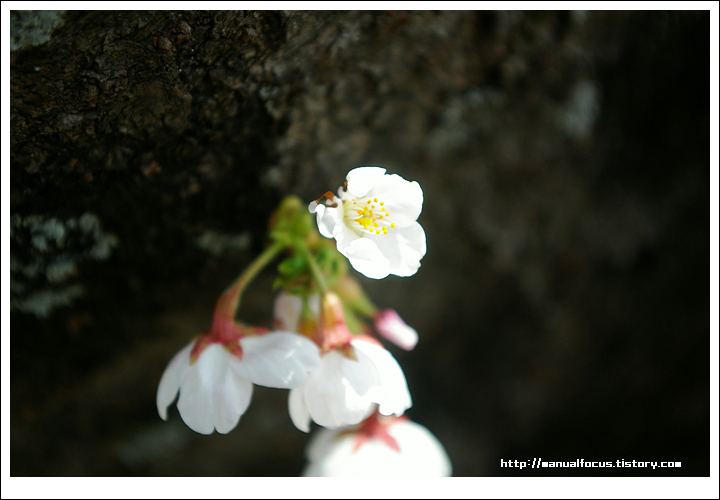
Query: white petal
{"type": "Point", "coordinates": [425, 455]}
{"type": "Point", "coordinates": [287, 311]}
{"type": "Point", "coordinates": [342, 390]}
{"type": "Point", "coordinates": [403, 199]}
{"type": "Point", "coordinates": [396, 396]}
{"type": "Point", "coordinates": [298, 411]}
{"type": "Point", "coordinates": [288, 308]}
{"type": "Point", "coordinates": [322, 442]}
{"type": "Point", "coordinates": [360, 180]}
{"type": "Point", "coordinates": [365, 256]}
{"type": "Point", "coordinates": [403, 247]}
{"type": "Point", "coordinates": [212, 396]}
{"type": "Point", "coordinates": [328, 218]}
{"type": "Point", "coordinates": [279, 359]}
{"type": "Point", "coordinates": [344, 236]}
{"type": "Point", "coordinates": [171, 379]}
{"type": "Point", "coordinates": [421, 454]}
{"type": "Point", "coordinates": [313, 303]}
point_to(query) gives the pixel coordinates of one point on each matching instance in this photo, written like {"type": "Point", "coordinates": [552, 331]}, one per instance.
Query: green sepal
{"type": "Point", "coordinates": [294, 276]}
{"type": "Point", "coordinates": [291, 221]}
{"type": "Point", "coordinates": [332, 263]}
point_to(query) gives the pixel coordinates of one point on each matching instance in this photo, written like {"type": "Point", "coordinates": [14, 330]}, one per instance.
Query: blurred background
{"type": "Point", "coordinates": [562, 306]}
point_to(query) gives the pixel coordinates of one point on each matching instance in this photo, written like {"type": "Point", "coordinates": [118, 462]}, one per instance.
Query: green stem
{"type": "Point", "coordinates": [229, 301]}
{"type": "Point", "coordinates": [317, 273]}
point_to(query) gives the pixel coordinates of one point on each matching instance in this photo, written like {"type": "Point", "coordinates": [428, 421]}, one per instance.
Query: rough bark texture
{"type": "Point", "coordinates": [562, 306]}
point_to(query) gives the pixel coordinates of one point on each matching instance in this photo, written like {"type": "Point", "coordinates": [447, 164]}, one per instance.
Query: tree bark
{"type": "Point", "coordinates": [562, 305]}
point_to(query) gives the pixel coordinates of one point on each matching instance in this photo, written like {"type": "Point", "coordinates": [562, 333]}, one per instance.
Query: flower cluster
{"type": "Point", "coordinates": [323, 347]}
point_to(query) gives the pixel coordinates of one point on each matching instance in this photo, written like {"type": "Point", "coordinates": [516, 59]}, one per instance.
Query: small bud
{"type": "Point", "coordinates": [391, 326]}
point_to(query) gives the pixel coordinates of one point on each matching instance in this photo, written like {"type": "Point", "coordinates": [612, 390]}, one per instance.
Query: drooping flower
{"type": "Point", "coordinates": [298, 314]}
{"type": "Point", "coordinates": [374, 222]}
{"type": "Point", "coordinates": [215, 373]}
{"type": "Point", "coordinates": [391, 326]}
{"type": "Point", "coordinates": [379, 446]}
{"type": "Point", "coordinates": [355, 373]}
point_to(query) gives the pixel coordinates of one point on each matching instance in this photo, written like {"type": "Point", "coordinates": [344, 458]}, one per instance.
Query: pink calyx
{"type": "Point", "coordinates": [335, 334]}
{"type": "Point", "coordinates": [226, 332]}
{"type": "Point", "coordinates": [374, 427]}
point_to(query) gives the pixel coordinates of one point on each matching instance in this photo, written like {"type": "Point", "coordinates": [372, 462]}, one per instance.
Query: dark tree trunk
{"type": "Point", "coordinates": [562, 306]}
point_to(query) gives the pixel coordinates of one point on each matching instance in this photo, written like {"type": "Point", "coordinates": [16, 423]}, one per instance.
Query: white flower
{"type": "Point", "coordinates": [349, 381]}
{"type": "Point", "coordinates": [215, 377]}
{"type": "Point", "coordinates": [391, 326]}
{"type": "Point", "coordinates": [374, 222]}
{"type": "Point", "coordinates": [387, 446]}
{"type": "Point", "coordinates": [288, 311]}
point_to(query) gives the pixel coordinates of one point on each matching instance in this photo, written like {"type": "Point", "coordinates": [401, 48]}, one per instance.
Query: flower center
{"type": "Point", "coordinates": [370, 215]}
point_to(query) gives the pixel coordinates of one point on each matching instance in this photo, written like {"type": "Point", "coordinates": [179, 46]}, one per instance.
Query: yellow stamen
{"type": "Point", "coordinates": [367, 219]}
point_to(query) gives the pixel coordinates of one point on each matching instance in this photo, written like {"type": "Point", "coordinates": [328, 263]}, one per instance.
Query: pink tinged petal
{"type": "Point", "coordinates": [362, 179]}
{"type": "Point", "coordinates": [395, 397]}
{"type": "Point", "coordinates": [391, 326]}
{"type": "Point", "coordinates": [279, 359]}
{"type": "Point", "coordinates": [403, 199]}
{"type": "Point", "coordinates": [342, 390]}
{"type": "Point", "coordinates": [212, 396]}
{"type": "Point", "coordinates": [366, 258]}
{"type": "Point", "coordinates": [403, 247]}
{"type": "Point", "coordinates": [298, 410]}
{"type": "Point", "coordinates": [172, 378]}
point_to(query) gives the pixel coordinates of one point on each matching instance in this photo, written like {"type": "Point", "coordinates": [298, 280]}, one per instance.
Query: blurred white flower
{"type": "Point", "coordinates": [374, 222]}
{"type": "Point", "coordinates": [355, 373]}
{"type": "Point", "coordinates": [391, 326]}
{"type": "Point", "coordinates": [215, 374]}
{"type": "Point", "coordinates": [379, 446]}
{"type": "Point", "coordinates": [297, 314]}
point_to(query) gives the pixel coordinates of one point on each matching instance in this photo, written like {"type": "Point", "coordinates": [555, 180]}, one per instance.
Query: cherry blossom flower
{"type": "Point", "coordinates": [391, 326]}
{"type": "Point", "coordinates": [379, 446]}
{"type": "Point", "coordinates": [355, 373]}
{"type": "Point", "coordinates": [374, 222]}
{"type": "Point", "coordinates": [297, 314]}
{"type": "Point", "coordinates": [215, 373]}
